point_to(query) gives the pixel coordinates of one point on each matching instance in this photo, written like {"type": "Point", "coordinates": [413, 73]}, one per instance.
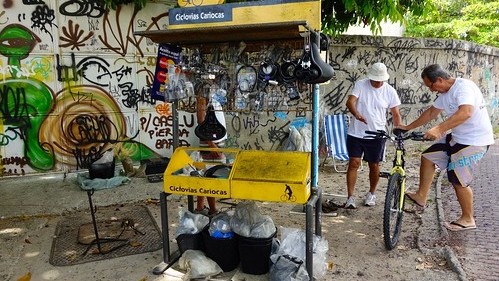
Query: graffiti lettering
{"type": "Point", "coordinates": [66, 73]}
{"type": "Point", "coordinates": [33, 2]}
{"type": "Point", "coordinates": [19, 71]}
{"type": "Point", "coordinates": [85, 158]}
{"type": "Point", "coordinates": [11, 172]}
{"type": "Point", "coordinates": [95, 70]}
{"type": "Point", "coordinates": [42, 17]}
{"type": "Point", "coordinates": [165, 121]}
{"type": "Point", "coordinates": [88, 129]}
{"type": "Point", "coordinates": [122, 71]}
{"type": "Point", "coordinates": [168, 143]}
{"type": "Point", "coordinates": [76, 8]}
{"type": "Point", "coordinates": [15, 160]}
{"type": "Point", "coordinates": [93, 25]}
{"type": "Point", "coordinates": [13, 104]}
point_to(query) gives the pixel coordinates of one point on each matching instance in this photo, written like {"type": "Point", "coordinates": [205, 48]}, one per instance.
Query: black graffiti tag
{"type": "Point", "coordinates": [79, 8]}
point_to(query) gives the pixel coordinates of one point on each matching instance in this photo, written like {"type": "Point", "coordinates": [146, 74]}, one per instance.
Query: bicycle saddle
{"type": "Point", "coordinates": [399, 132]}
{"type": "Point", "coordinates": [312, 69]}
{"type": "Point", "coordinates": [210, 129]}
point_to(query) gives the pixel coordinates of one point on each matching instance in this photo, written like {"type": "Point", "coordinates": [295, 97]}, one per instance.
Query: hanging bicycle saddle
{"type": "Point", "coordinates": [312, 69]}
{"type": "Point", "coordinates": [210, 129]}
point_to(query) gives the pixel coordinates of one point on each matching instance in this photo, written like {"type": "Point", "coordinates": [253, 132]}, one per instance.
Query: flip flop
{"type": "Point", "coordinates": [413, 201]}
{"type": "Point", "coordinates": [329, 206]}
{"type": "Point", "coordinates": [455, 226]}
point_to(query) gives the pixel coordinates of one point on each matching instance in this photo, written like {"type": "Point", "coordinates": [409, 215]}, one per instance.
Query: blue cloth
{"type": "Point", "coordinates": [86, 183]}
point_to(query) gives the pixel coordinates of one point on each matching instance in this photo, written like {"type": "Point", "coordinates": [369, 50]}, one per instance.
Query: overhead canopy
{"type": "Point", "coordinates": [285, 31]}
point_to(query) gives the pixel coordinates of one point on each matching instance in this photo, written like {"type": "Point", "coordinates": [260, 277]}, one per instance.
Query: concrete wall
{"type": "Point", "coordinates": [74, 82]}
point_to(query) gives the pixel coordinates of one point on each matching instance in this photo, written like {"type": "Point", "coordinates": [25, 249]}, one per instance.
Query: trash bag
{"type": "Point", "coordinates": [220, 226]}
{"type": "Point", "coordinates": [107, 157]}
{"type": "Point", "coordinates": [248, 221]}
{"type": "Point", "coordinates": [198, 265]}
{"type": "Point", "coordinates": [287, 268]}
{"type": "Point", "coordinates": [293, 244]}
{"type": "Point", "coordinates": [190, 223]}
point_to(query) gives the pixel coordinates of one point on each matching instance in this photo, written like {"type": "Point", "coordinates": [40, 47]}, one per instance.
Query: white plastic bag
{"type": "Point", "coordinates": [107, 157]}
{"type": "Point", "coordinates": [198, 265]}
{"type": "Point", "coordinates": [293, 244]}
{"type": "Point", "coordinates": [190, 223]}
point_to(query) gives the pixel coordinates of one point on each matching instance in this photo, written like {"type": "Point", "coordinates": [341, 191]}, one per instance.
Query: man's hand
{"type": "Point", "coordinates": [433, 134]}
{"type": "Point", "coordinates": [403, 127]}
{"type": "Point", "coordinates": [361, 118]}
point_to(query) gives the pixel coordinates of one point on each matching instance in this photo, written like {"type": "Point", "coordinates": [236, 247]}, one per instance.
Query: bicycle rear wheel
{"type": "Point", "coordinates": [393, 212]}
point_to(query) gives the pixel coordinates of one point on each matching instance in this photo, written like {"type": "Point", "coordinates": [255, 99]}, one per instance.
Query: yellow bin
{"type": "Point", "coordinates": [278, 176]}
{"type": "Point", "coordinates": [175, 182]}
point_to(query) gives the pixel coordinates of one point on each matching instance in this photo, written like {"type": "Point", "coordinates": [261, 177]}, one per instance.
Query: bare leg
{"type": "Point", "coordinates": [426, 175]}
{"type": "Point", "coordinates": [465, 199]}
{"type": "Point", "coordinates": [373, 176]}
{"type": "Point", "coordinates": [212, 204]}
{"type": "Point", "coordinates": [200, 203]}
{"type": "Point", "coordinates": [353, 167]}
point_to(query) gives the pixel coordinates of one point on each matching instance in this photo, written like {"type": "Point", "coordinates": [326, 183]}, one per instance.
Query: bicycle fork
{"type": "Point", "coordinates": [398, 167]}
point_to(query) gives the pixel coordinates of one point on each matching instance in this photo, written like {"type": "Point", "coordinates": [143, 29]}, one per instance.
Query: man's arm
{"type": "Point", "coordinates": [397, 119]}
{"type": "Point", "coordinates": [427, 115]}
{"type": "Point", "coordinates": [462, 114]}
{"type": "Point", "coordinates": [351, 102]}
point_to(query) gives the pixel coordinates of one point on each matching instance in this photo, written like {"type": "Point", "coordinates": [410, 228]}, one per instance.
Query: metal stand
{"type": "Point", "coordinates": [98, 240]}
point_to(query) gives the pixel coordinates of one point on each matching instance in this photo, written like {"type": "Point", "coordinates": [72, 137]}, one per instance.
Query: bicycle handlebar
{"type": "Point", "coordinates": [399, 134]}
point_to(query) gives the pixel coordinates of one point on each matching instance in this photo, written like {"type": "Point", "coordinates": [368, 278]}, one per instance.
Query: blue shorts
{"type": "Point", "coordinates": [372, 149]}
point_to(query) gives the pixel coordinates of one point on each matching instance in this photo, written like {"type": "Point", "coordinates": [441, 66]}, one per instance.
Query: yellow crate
{"type": "Point", "coordinates": [175, 182]}
{"type": "Point", "coordinates": [278, 176]}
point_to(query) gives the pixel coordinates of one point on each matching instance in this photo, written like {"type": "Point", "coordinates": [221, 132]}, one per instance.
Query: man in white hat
{"type": "Point", "coordinates": [368, 103]}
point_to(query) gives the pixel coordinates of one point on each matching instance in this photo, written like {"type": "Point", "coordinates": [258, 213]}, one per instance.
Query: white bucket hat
{"type": "Point", "coordinates": [378, 72]}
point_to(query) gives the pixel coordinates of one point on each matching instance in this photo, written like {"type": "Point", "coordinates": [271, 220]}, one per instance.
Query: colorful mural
{"type": "Point", "coordinates": [75, 82]}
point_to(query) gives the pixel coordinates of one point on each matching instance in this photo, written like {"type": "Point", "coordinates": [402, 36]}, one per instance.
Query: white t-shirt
{"type": "Point", "coordinates": [373, 104]}
{"type": "Point", "coordinates": [476, 130]}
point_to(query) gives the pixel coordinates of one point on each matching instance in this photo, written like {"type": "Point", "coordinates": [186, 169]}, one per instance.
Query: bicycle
{"type": "Point", "coordinates": [395, 193]}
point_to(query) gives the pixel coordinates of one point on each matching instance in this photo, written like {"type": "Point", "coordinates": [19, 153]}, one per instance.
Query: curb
{"type": "Point", "coordinates": [447, 252]}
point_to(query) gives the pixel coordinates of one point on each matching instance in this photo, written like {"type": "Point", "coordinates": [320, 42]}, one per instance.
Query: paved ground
{"type": "Point", "coordinates": [478, 250]}
{"type": "Point", "coordinates": [31, 206]}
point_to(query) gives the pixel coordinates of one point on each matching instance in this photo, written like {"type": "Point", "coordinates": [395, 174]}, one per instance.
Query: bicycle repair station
{"type": "Point", "coordinates": [260, 57]}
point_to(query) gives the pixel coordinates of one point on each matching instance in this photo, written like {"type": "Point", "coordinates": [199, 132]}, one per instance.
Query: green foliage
{"type": "Point", "coordinates": [472, 20]}
{"type": "Point", "coordinates": [338, 15]}
{"type": "Point", "coordinates": [113, 4]}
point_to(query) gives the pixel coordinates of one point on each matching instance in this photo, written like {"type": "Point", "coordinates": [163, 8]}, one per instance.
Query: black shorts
{"type": "Point", "coordinates": [372, 149]}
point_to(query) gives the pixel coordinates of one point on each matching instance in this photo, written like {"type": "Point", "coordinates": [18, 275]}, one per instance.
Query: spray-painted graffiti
{"type": "Point", "coordinates": [69, 93]}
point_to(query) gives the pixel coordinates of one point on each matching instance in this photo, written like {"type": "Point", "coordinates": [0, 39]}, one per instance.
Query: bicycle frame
{"type": "Point", "coordinates": [398, 167]}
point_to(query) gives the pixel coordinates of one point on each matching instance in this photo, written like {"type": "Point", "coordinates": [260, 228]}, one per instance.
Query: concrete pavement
{"type": "Point", "coordinates": [31, 206]}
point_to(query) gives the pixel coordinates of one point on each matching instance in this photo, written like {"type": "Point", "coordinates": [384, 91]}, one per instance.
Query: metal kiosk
{"type": "Point", "coordinates": [307, 163]}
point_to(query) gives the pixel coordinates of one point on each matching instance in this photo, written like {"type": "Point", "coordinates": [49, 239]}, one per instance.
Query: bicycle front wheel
{"type": "Point", "coordinates": [393, 212]}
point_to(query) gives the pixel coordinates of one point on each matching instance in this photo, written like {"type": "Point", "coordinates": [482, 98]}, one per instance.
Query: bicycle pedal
{"type": "Point", "coordinates": [384, 175]}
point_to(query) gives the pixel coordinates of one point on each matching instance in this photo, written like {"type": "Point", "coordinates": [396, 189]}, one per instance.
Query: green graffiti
{"type": "Point", "coordinates": [16, 43]}
{"type": "Point", "coordinates": [25, 103]}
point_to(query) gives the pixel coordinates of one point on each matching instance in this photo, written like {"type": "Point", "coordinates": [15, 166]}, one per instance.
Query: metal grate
{"type": "Point", "coordinates": [75, 231]}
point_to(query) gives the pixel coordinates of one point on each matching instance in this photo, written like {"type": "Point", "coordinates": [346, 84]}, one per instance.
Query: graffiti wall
{"type": "Point", "coordinates": [76, 82]}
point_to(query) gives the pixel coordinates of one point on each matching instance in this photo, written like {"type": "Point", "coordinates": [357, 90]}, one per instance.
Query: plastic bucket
{"type": "Point", "coordinates": [189, 242]}
{"type": "Point", "coordinates": [254, 254]}
{"type": "Point", "coordinates": [222, 251]}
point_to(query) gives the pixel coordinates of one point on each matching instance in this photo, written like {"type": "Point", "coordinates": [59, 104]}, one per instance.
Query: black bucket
{"type": "Point", "coordinates": [222, 251]}
{"type": "Point", "coordinates": [102, 170]}
{"type": "Point", "coordinates": [190, 242]}
{"type": "Point", "coordinates": [254, 254]}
